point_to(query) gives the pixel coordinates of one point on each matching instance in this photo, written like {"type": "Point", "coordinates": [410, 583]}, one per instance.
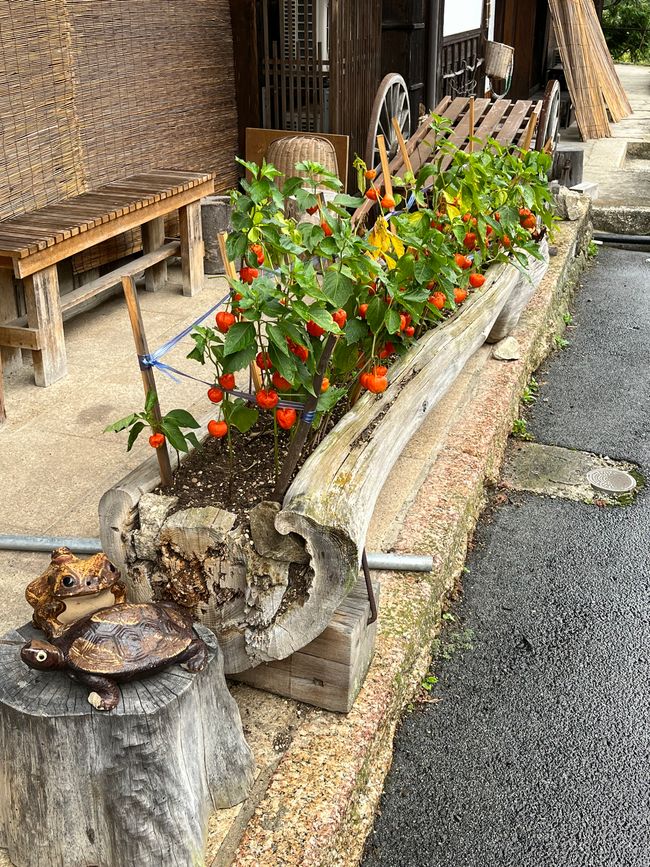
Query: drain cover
{"type": "Point", "coordinates": [611, 481]}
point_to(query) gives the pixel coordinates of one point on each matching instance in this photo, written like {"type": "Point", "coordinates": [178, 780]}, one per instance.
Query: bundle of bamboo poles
{"type": "Point", "coordinates": [592, 80]}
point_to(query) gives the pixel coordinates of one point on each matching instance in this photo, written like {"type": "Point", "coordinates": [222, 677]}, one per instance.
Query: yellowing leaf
{"type": "Point", "coordinates": [385, 243]}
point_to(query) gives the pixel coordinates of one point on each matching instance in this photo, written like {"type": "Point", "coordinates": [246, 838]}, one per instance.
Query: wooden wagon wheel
{"type": "Point", "coordinates": [549, 119]}
{"type": "Point", "coordinates": [392, 100]}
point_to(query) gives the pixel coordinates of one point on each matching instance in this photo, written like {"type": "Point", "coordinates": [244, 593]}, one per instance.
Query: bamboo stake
{"type": "Point", "coordinates": [148, 378]}
{"type": "Point", "coordinates": [530, 129]}
{"type": "Point", "coordinates": [471, 124]}
{"type": "Point", "coordinates": [406, 159]}
{"type": "Point", "coordinates": [231, 271]}
{"type": "Point", "coordinates": [385, 168]}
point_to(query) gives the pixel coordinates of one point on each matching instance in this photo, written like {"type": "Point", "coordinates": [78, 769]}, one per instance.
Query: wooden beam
{"type": "Point", "coordinates": [243, 19]}
{"type": "Point", "coordinates": [20, 338]}
{"type": "Point", "coordinates": [50, 256]}
{"type": "Point", "coordinates": [44, 315]}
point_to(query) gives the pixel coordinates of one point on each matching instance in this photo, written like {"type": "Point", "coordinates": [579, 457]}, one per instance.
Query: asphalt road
{"type": "Point", "coordinates": [536, 749]}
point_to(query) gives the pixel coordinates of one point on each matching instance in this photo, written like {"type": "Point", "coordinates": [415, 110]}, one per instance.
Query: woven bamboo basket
{"type": "Point", "coordinates": [284, 153]}
{"type": "Point", "coordinates": [499, 60]}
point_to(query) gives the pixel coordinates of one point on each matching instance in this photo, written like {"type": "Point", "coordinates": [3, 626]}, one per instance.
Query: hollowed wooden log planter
{"type": "Point", "coordinates": [270, 594]}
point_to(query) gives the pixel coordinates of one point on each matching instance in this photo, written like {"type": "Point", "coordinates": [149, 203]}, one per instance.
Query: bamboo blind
{"type": "Point", "coordinates": [592, 80]}
{"type": "Point", "coordinates": [94, 91]}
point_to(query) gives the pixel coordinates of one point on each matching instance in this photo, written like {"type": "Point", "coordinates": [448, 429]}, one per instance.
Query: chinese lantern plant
{"type": "Point", "coordinates": [167, 428]}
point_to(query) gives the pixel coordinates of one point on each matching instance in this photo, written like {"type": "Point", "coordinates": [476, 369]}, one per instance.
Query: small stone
{"type": "Point", "coordinates": [507, 350]}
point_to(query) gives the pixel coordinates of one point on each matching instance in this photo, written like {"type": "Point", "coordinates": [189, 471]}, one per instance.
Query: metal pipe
{"type": "Point", "coordinates": [611, 238]}
{"type": "Point", "coordinates": [49, 543]}
{"type": "Point", "coordinates": [400, 562]}
{"type": "Point", "coordinates": [376, 562]}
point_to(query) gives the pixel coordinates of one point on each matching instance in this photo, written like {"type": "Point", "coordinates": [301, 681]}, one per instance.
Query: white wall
{"type": "Point", "coordinates": [461, 15]}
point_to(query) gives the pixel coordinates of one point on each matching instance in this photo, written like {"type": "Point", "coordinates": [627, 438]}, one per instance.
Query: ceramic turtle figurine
{"type": "Point", "coordinates": [71, 588]}
{"type": "Point", "coordinates": [117, 644]}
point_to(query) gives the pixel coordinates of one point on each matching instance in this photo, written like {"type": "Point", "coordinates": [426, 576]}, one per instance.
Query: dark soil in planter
{"type": "Point", "coordinates": [207, 477]}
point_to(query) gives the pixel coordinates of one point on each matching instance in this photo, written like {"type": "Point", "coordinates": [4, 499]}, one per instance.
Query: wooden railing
{"type": "Point", "coordinates": [462, 64]}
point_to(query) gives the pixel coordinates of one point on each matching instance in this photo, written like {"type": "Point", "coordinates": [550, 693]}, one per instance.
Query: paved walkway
{"type": "Point", "coordinates": [533, 751]}
{"type": "Point", "coordinates": [620, 165]}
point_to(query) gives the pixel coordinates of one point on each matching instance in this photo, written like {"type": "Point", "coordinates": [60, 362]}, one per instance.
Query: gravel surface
{"type": "Point", "coordinates": [534, 751]}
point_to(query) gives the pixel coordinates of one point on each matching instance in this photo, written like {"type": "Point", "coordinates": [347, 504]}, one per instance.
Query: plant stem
{"type": "Point", "coordinates": [298, 443]}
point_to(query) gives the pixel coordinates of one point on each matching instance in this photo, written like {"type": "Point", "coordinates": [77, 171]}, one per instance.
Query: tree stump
{"type": "Point", "coordinates": [134, 786]}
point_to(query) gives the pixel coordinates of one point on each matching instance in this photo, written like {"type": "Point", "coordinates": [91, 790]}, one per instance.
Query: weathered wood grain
{"type": "Point", "coordinates": [153, 237]}
{"type": "Point", "coordinates": [133, 786]}
{"type": "Point", "coordinates": [329, 504]}
{"type": "Point", "coordinates": [330, 670]}
{"type": "Point", "coordinates": [192, 249]}
{"type": "Point", "coordinates": [528, 282]}
{"type": "Point", "coordinates": [44, 314]}
{"type": "Point", "coordinates": [331, 500]}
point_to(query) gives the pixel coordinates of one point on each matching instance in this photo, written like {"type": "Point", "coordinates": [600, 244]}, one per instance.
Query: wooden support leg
{"type": "Point", "coordinates": [12, 358]}
{"type": "Point", "coordinates": [191, 248]}
{"type": "Point", "coordinates": [153, 237]}
{"type": "Point", "coordinates": [3, 412]}
{"type": "Point", "coordinates": [44, 313]}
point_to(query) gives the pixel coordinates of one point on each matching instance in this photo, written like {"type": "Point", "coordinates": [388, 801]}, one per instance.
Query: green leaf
{"type": "Point", "coordinates": [278, 338]}
{"type": "Point", "coordinates": [236, 246]}
{"type": "Point", "coordinates": [315, 314]}
{"type": "Point", "coordinates": [239, 360]}
{"type": "Point", "coordinates": [150, 402]}
{"type": "Point", "coordinates": [330, 398]}
{"type": "Point", "coordinates": [123, 423]}
{"type": "Point", "coordinates": [376, 314]}
{"type": "Point", "coordinates": [239, 336]}
{"type": "Point", "coordinates": [355, 330]}
{"type": "Point", "coordinates": [348, 201]}
{"type": "Point", "coordinates": [183, 418]}
{"type": "Point", "coordinates": [174, 435]}
{"type": "Point", "coordinates": [337, 287]}
{"type": "Point", "coordinates": [239, 414]}
{"type": "Point", "coordinates": [392, 321]}
{"type": "Point", "coordinates": [134, 433]}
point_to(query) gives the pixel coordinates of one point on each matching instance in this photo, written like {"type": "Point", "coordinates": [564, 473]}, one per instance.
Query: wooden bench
{"type": "Point", "coordinates": [32, 244]}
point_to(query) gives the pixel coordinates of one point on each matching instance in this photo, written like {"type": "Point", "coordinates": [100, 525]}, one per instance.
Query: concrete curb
{"type": "Point", "coordinates": [321, 798]}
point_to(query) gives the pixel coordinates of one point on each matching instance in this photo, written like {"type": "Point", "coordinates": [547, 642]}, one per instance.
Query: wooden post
{"type": "Point", "coordinates": [12, 358]}
{"type": "Point", "coordinates": [471, 124]}
{"type": "Point", "coordinates": [191, 248]}
{"type": "Point", "coordinates": [530, 129]}
{"type": "Point", "coordinates": [44, 312]}
{"type": "Point", "coordinates": [385, 167]}
{"type": "Point", "coordinates": [406, 159]}
{"type": "Point", "coordinates": [148, 379]}
{"type": "Point", "coordinates": [231, 271]}
{"type": "Point", "coordinates": [3, 411]}
{"type": "Point", "coordinates": [153, 237]}
{"type": "Point", "coordinates": [133, 786]}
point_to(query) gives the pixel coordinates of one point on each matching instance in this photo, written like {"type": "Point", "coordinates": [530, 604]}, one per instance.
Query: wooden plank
{"type": "Point", "coordinates": [21, 338]}
{"type": "Point", "coordinates": [488, 125]}
{"type": "Point", "coordinates": [330, 670]}
{"type": "Point", "coordinates": [90, 294]}
{"type": "Point", "coordinates": [153, 237]}
{"type": "Point", "coordinates": [192, 249]}
{"type": "Point", "coordinates": [513, 122]}
{"type": "Point", "coordinates": [44, 315]}
{"type": "Point", "coordinates": [69, 247]}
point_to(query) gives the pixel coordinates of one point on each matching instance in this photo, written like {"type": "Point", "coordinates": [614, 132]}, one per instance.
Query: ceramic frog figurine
{"type": "Point", "coordinates": [71, 588]}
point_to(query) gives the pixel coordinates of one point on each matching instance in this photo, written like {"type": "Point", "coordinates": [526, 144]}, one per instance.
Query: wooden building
{"type": "Point", "coordinates": [316, 65]}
